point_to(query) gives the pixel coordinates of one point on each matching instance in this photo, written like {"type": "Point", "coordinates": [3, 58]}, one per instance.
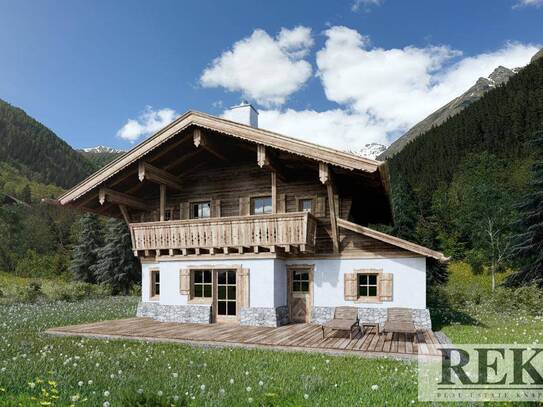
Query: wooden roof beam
{"type": "Point", "coordinates": [200, 140]}
{"type": "Point", "coordinates": [115, 197]}
{"type": "Point", "coordinates": [325, 176]}
{"type": "Point", "coordinates": [151, 173]}
{"type": "Point", "coordinates": [265, 159]}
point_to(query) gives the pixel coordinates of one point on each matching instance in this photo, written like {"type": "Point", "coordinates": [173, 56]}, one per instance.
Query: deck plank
{"type": "Point", "coordinates": [293, 335]}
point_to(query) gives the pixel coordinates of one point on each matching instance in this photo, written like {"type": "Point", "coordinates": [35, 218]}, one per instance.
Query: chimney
{"type": "Point", "coordinates": [243, 113]}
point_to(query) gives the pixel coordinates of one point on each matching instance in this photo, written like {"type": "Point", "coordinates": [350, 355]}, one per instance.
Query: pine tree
{"type": "Point", "coordinates": [405, 209]}
{"type": "Point", "coordinates": [528, 243]}
{"type": "Point", "coordinates": [85, 253]}
{"type": "Point", "coordinates": [26, 194]}
{"type": "Point", "coordinates": [116, 265]}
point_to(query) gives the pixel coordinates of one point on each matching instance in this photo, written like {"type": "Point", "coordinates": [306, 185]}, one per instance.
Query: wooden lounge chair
{"type": "Point", "coordinates": [345, 319]}
{"type": "Point", "coordinates": [400, 320]}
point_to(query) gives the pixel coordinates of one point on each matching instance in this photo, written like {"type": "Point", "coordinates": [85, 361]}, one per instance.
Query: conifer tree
{"type": "Point", "coordinates": [116, 265]}
{"type": "Point", "coordinates": [85, 253]}
{"type": "Point", "coordinates": [26, 194]}
{"type": "Point", "coordinates": [528, 243]}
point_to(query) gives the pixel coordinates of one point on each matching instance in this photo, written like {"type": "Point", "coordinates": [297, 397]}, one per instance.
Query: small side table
{"type": "Point", "coordinates": [369, 324]}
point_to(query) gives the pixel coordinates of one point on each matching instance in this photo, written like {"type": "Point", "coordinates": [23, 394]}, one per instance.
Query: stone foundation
{"type": "Point", "coordinates": [272, 317]}
{"type": "Point", "coordinates": [198, 314]}
{"type": "Point", "coordinates": [421, 317]}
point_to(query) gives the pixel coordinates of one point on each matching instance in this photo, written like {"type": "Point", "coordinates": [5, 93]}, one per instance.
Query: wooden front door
{"type": "Point", "coordinates": [300, 294]}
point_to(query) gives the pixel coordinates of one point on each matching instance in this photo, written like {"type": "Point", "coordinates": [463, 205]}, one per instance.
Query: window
{"type": "Point", "coordinates": [155, 283]}
{"type": "Point", "coordinates": [300, 281]}
{"type": "Point", "coordinates": [201, 210]}
{"type": "Point", "coordinates": [168, 214]}
{"type": "Point", "coordinates": [202, 286]}
{"type": "Point", "coordinates": [367, 285]}
{"type": "Point", "coordinates": [261, 205]}
{"type": "Point", "coordinates": [306, 205]}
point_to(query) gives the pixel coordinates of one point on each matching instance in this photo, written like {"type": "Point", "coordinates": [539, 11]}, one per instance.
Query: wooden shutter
{"type": "Point", "coordinates": [244, 206]}
{"type": "Point", "coordinates": [215, 208]}
{"type": "Point", "coordinates": [282, 203]}
{"type": "Point", "coordinates": [350, 287]}
{"type": "Point", "coordinates": [184, 282]}
{"type": "Point", "coordinates": [184, 210]}
{"type": "Point", "coordinates": [385, 288]}
{"type": "Point", "coordinates": [242, 283]}
{"type": "Point", "coordinates": [320, 207]}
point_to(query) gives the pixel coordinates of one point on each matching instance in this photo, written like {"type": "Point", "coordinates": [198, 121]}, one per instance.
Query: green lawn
{"type": "Point", "coordinates": [37, 368]}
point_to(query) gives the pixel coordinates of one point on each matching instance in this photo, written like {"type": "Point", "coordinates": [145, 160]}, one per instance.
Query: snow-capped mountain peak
{"type": "Point", "coordinates": [371, 150]}
{"type": "Point", "coordinates": [102, 149]}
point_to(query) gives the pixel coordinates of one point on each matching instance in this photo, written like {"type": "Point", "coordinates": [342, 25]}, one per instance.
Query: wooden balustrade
{"type": "Point", "coordinates": [285, 230]}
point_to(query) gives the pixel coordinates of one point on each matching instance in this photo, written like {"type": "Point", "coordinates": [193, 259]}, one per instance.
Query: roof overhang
{"type": "Point", "coordinates": [395, 241]}
{"type": "Point", "coordinates": [247, 133]}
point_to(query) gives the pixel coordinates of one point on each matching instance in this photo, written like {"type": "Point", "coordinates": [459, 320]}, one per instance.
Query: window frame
{"type": "Point", "coordinates": [369, 299]}
{"type": "Point", "coordinates": [253, 199]}
{"type": "Point", "coordinates": [302, 199]}
{"type": "Point", "coordinates": [193, 204]}
{"type": "Point", "coordinates": [201, 299]}
{"type": "Point", "coordinates": [153, 295]}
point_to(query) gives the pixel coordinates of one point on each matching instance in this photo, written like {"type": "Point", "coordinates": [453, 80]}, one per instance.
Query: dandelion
{"type": "Point", "coordinates": [106, 404]}
{"type": "Point", "coordinates": [306, 396]}
{"type": "Point", "coordinates": [203, 387]}
{"type": "Point", "coordinates": [74, 398]}
{"type": "Point", "coordinates": [248, 388]}
{"type": "Point", "coordinates": [261, 383]}
{"type": "Point", "coordinates": [175, 398]}
{"type": "Point", "coordinates": [175, 375]}
{"type": "Point", "coordinates": [375, 387]}
{"type": "Point", "coordinates": [80, 383]}
{"type": "Point", "coordinates": [250, 399]}
{"type": "Point", "coordinates": [90, 382]}
{"type": "Point", "coordinates": [221, 392]}
{"type": "Point", "coordinates": [160, 393]}
{"type": "Point", "coordinates": [32, 385]}
{"type": "Point", "coordinates": [231, 381]}
{"type": "Point", "coordinates": [106, 393]}
{"type": "Point", "coordinates": [140, 391]}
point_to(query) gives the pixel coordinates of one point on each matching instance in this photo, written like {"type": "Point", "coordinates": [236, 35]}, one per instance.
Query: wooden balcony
{"type": "Point", "coordinates": [237, 234]}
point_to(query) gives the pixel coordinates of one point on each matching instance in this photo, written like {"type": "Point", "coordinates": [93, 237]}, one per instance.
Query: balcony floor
{"type": "Point", "coordinates": [295, 337]}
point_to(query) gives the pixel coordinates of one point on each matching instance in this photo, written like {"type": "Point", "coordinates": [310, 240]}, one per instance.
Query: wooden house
{"type": "Point", "coordinates": [239, 224]}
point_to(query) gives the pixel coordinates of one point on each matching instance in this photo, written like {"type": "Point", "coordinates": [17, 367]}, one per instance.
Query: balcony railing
{"type": "Point", "coordinates": [288, 231]}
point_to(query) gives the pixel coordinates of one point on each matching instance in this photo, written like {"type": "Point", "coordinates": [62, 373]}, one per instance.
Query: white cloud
{"type": "Point", "coordinates": [528, 3]}
{"type": "Point", "coordinates": [262, 68]}
{"type": "Point", "coordinates": [380, 92]}
{"type": "Point", "coordinates": [148, 122]}
{"type": "Point", "coordinates": [365, 4]}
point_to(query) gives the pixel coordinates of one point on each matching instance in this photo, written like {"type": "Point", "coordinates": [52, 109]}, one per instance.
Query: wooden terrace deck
{"type": "Point", "coordinates": [296, 337]}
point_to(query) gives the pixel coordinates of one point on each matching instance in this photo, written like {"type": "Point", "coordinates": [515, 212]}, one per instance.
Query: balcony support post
{"type": "Point", "coordinates": [274, 191]}
{"type": "Point", "coordinates": [325, 176]}
{"type": "Point", "coordinates": [162, 202]}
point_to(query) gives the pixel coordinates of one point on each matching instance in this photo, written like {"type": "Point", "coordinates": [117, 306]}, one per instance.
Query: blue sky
{"type": "Point", "coordinates": [337, 72]}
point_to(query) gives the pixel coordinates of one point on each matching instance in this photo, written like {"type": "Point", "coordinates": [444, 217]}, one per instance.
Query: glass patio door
{"type": "Point", "coordinates": [226, 295]}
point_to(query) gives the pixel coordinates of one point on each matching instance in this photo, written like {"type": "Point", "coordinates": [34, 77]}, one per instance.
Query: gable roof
{"type": "Point", "coordinates": [247, 133]}
{"type": "Point", "coordinates": [395, 241]}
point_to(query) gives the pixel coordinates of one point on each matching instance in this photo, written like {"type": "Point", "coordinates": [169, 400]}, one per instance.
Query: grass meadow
{"type": "Point", "coordinates": [38, 369]}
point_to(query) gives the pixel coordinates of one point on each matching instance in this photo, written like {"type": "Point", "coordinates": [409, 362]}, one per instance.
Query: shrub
{"type": "Point", "coordinates": [75, 291]}
{"type": "Point", "coordinates": [36, 265]}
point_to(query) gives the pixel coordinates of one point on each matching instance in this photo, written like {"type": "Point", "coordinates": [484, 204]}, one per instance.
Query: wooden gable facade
{"type": "Point", "coordinates": [319, 197]}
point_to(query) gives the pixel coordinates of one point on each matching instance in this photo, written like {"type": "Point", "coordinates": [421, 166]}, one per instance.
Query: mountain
{"type": "Point", "coordinates": [100, 155]}
{"type": "Point", "coordinates": [500, 76]}
{"type": "Point", "coordinates": [36, 152]}
{"type": "Point", "coordinates": [372, 150]}
{"type": "Point", "coordinates": [464, 176]}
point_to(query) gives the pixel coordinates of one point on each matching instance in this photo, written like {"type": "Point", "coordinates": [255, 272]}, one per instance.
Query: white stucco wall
{"type": "Point", "coordinates": [409, 280]}
{"type": "Point", "coordinates": [262, 281]}
{"type": "Point", "coordinates": [268, 280]}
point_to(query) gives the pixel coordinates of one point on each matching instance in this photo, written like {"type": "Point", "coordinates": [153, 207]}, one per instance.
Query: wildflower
{"type": "Point", "coordinates": [250, 399]}
{"type": "Point", "coordinates": [175, 375]}
{"type": "Point", "coordinates": [375, 387]}
{"type": "Point", "coordinates": [140, 391]}
{"type": "Point", "coordinates": [90, 382]}
{"type": "Point", "coordinates": [221, 392]}
{"type": "Point", "coordinates": [175, 398]}
{"type": "Point", "coordinates": [106, 393]}
{"type": "Point", "coordinates": [160, 393]}
{"type": "Point", "coordinates": [231, 381]}
{"type": "Point", "coordinates": [261, 383]}
{"type": "Point", "coordinates": [306, 396]}
{"type": "Point", "coordinates": [106, 403]}
{"type": "Point", "coordinates": [203, 387]}
{"type": "Point", "coordinates": [248, 388]}
{"type": "Point", "coordinates": [80, 383]}
{"type": "Point", "coordinates": [32, 385]}
{"type": "Point", "coordinates": [74, 398]}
